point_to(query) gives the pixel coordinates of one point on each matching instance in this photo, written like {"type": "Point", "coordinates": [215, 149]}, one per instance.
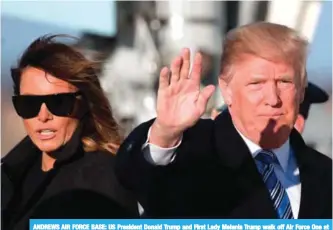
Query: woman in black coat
{"type": "Point", "coordinates": [64, 168]}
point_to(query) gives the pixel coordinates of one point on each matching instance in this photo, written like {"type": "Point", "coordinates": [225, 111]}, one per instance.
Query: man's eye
{"type": "Point", "coordinates": [255, 83]}
{"type": "Point", "coordinates": [285, 81]}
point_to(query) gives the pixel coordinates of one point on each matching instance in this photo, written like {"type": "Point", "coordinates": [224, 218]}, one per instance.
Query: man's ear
{"type": "Point", "coordinates": [226, 91]}
{"type": "Point", "coordinates": [304, 85]}
{"type": "Point", "coordinates": [300, 123]}
{"type": "Point", "coordinates": [302, 94]}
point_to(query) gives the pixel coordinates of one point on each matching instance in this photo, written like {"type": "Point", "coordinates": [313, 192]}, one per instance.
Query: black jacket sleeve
{"type": "Point", "coordinates": [179, 189]}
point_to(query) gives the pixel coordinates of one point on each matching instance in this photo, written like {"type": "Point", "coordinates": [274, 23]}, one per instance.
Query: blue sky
{"type": "Point", "coordinates": [320, 59]}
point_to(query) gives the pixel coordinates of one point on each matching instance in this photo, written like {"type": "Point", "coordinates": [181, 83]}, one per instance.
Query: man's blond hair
{"type": "Point", "coordinates": [273, 42]}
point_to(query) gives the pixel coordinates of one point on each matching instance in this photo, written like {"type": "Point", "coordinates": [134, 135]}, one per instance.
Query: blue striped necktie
{"type": "Point", "coordinates": [265, 160]}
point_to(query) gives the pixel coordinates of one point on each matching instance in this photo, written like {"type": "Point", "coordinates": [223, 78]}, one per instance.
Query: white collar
{"type": "Point", "coordinates": [281, 153]}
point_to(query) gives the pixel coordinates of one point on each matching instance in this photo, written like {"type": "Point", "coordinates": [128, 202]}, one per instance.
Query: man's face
{"type": "Point", "coordinates": [263, 99]}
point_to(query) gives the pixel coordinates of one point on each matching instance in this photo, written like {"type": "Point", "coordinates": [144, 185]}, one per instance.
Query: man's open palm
{"type": "Point", "coordinates": [180, 102]}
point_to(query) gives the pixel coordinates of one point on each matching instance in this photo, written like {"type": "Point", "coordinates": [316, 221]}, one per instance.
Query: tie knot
{"type": "Point", "coordinates": [267, 157]}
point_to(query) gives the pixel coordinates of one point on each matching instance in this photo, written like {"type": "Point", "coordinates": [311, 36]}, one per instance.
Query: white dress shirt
{"type": "Point", "coordinates": [287, 172]}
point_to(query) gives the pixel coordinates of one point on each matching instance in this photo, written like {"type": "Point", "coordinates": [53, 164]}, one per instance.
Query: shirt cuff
{"type": "Point", "coordinates": [157, 155]}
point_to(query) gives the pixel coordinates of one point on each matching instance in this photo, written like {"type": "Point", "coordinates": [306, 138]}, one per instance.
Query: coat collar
{"type": "Point", "coordinates": [25, 153]}
{"type": "Point", "coordinates": [225, 132]}
{"type": "Point", "coordinates": [235, 155]}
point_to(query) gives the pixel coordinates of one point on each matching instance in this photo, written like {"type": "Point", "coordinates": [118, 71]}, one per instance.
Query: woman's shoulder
{"type": "Point", "coordinates": [81, 203]}
{"type": "Point", "coordinates": [99, 157]}
{"type": "Point", "coordinates": [97, 164]}
{"type": "Point", "coordinates": [95, 172]}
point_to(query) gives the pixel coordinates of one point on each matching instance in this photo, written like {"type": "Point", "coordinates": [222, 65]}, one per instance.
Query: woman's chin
{"type": "Point", "coordinates": [48, 146]}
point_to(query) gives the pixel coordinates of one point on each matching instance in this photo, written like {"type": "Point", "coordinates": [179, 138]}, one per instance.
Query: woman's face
{"type": "Point", "coordinates": [47, 131]}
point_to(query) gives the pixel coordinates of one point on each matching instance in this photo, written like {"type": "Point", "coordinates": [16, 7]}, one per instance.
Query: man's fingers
{"type": "Point", "coordinates": [197, 67]}
{"type": "Point", "coordinates": [164, 78]}
{"type": "Point", "coordinates": [175, 69]}
{"type": "Point", "coordinates": [185, 70]}
{"type": "Point", "coordinates": [204, 96]}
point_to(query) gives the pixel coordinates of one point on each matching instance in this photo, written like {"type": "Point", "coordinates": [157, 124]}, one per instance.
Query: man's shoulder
{"type": "Point", "coordinates": [203, 126]}
{"type": "Point", "coordinates": [319, 159]}
{"type": "Point", "coordinates": [308, 157]}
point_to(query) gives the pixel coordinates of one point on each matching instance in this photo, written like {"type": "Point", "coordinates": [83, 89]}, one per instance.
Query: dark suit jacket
{"type": "Point", "coordinates": [81, 185]}
{"type": "Point", "coordinates": [214, 176]}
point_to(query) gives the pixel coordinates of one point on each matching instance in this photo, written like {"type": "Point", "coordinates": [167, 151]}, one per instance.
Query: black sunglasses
{"type": "Point", "coordinates": [28, 106]}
